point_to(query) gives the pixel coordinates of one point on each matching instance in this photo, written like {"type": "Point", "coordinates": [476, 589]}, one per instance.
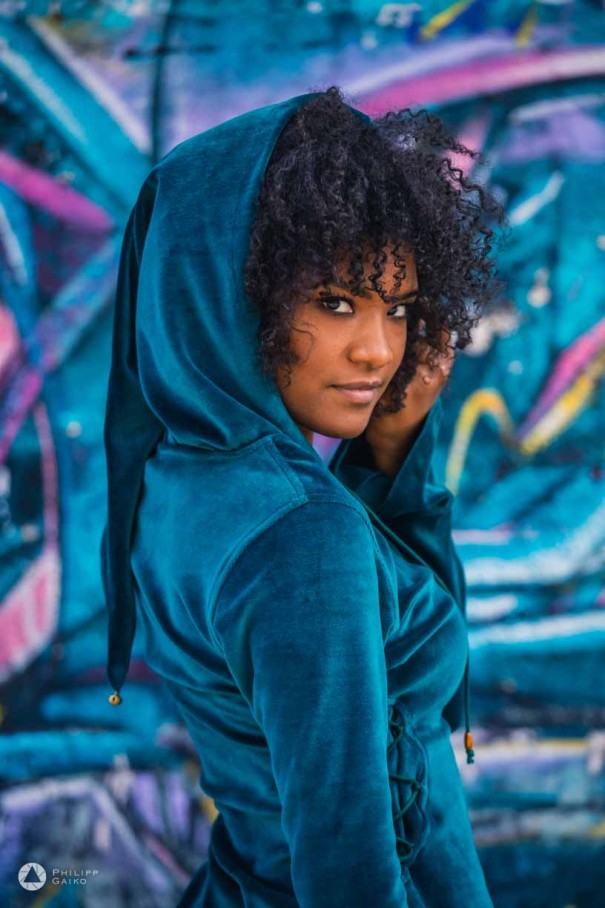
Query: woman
{"type": "Point", "coordinates": [309, 620]}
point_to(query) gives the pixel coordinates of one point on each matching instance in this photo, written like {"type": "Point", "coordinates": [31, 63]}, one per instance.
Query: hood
{"type": "Point", "coordinates": [184, 361]}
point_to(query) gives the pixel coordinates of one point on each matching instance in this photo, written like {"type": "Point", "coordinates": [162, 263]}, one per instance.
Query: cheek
{"type": "Point", "coordinates": [302, 340]}
{"type": "Point", "coordinates": [317, 349]}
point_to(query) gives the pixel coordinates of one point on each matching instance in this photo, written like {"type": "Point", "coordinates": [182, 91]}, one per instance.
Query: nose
{"type": "Point", "coordinates": [370, 345]}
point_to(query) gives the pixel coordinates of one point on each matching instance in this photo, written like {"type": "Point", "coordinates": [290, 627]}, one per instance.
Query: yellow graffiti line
{"type": "Point", "coordinates": [443, 19]}
{"type": "Point", "coordinates": [526, 29]}
{"type": "Point", "coordinates": [566, 408]}
{"type": "Point", "coordinates": [483, 401]}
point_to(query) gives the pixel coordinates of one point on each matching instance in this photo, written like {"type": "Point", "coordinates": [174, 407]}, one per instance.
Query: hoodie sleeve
{"type": "Point", "coordinates": [299, 620]}
{"type": "Point", "coordinates": [413, 504]}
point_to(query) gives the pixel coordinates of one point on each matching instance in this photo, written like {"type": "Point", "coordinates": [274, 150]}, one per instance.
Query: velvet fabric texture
{"type": "Point", "coordinates": [307, 618]}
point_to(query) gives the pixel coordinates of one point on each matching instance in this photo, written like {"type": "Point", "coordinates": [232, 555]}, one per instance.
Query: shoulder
{"type": "Point", "coordinates": [308, 545]}
{"type": "Point", "coordinates": [279, 498]}
{"type": "Point", "coordinates": [273, 477]}
{"type": "Point", "coordinates": [287, 507]}
{"type": "Point", "coordinates": [306, 569]}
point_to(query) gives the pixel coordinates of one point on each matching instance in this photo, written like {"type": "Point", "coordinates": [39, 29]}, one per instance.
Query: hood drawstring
{"type": "Point", "coordinates": [468, 737]}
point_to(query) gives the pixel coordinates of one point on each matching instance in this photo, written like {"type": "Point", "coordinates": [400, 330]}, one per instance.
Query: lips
{"type": "Point", "coordinates": [360, 386]}
{"type": "Point", "coordinates": [360, 392]}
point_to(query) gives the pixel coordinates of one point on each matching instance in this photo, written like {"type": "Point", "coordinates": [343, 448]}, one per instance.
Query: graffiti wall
{"type": "Point", "coordinates": [102, 807]}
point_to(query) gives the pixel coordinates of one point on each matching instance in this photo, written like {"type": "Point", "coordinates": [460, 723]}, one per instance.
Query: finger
{"type": "Point", "coordinates": [432, 360]}
{"type": "Point", "coordinates": [447, 339]}
{"type": "Point", "coordinates": [445, 344]}
{"type": "Point", "coordinates": [446, 359]}
{"type": "Point", "coordinates": [423, 351]}
{"type": "Point", "coordinates": [435, 374]}
{"type": "Point", "coordinates": [448, 350]}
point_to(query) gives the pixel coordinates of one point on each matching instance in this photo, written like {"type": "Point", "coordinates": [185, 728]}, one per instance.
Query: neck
{"type": "Point", "coordinates": [307, 433]}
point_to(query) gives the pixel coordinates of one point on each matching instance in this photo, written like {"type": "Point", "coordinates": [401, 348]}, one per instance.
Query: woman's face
{"type": "Point", "coordinates": [344, 340]}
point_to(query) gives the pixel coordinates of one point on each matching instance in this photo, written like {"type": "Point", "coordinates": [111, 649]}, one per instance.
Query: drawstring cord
{"type": "Point", "coordinates": [468, 737]}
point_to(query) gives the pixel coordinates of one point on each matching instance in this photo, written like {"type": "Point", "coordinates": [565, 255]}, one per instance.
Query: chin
{"type": "Point", "coordinates": [340, 428]}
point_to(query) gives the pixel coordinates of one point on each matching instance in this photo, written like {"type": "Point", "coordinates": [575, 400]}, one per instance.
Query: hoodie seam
{"type": "Point", "coordinates": [255, 534]}
{"type": "Point", "coordinates": [290, 475]}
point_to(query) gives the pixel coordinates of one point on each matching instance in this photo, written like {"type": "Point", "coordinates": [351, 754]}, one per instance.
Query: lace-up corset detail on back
{"type": "Point", "coordinates": [409, 784]}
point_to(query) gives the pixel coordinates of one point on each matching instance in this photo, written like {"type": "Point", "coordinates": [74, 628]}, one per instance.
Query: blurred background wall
{"type": "Point", "coordinates": [92, 93]}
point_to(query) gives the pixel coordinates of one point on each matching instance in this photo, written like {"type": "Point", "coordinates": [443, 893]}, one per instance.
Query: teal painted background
{"type": "Point", "coordinates": [91, 94]}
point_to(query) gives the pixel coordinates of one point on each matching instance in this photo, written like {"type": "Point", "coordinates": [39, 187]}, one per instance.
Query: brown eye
{"type": "Point", "coordinates": [331, 303]}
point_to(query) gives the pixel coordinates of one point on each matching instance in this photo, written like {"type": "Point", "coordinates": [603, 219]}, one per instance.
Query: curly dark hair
{"type": "Point", "coordinates": [339, 186]}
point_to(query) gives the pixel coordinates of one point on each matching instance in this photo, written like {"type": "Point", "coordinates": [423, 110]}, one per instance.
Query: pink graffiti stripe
{"type": "Point", "coordinates": [473, 134]}
{"type": "Point", "coordinates": [566, 369]}
{"type": "Point", "coordinates": [29, 612]}
{"type": "Point", "coordinates": [42, 191]}
{"type": "Point", "coordinates": [9, 337]}
{"type": "Point", "coordinates": [28, 615]}
{"type": "Point", "coordinates": [486, 77]}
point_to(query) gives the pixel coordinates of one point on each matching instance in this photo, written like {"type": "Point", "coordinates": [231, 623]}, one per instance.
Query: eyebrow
{"type": "Point", "coordinates": [389, 300]}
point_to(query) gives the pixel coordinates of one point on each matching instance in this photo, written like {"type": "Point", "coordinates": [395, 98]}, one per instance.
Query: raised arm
{"type": "Point", "coordinates": [415, 506]}
{"type": "Point", "coordinates": [412, 503]}
{"type": "Point", "coordinates": [300, 622]}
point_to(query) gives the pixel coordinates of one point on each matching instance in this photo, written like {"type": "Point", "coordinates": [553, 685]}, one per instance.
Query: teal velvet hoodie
{"type": "Point", "coordinates": [307, 618]}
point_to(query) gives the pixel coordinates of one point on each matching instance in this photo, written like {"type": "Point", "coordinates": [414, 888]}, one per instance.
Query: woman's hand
{"type": "Point", "coordinates": [391, 435]}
